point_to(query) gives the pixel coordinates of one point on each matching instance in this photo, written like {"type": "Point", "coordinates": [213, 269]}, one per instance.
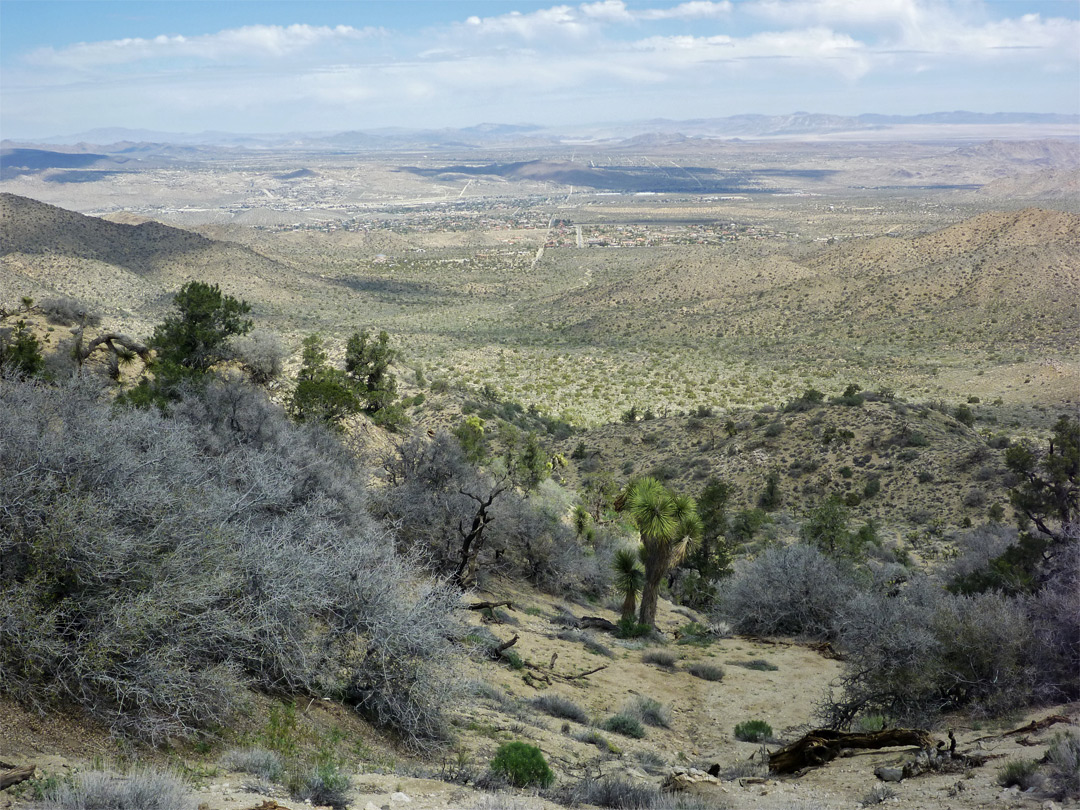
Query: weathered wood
{"type": "Point", "coordinates": [581, 675]}
{"type": "Point", "coordinates": [823, 745]}
{"type": "Point", "coordinates": [497, 651]}
{"type": "Point", "coordinates": [491, 605]}
{"type": "Point", "coordinates": [16, 775]}
{"type": "Point", "coordinates": [597, 623]}
{"type": "Point", "coordinates": [1034, 725]}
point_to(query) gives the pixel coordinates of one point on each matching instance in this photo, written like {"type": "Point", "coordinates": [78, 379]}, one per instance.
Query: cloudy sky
{"type": "Point", "coordinates": [190, 66]}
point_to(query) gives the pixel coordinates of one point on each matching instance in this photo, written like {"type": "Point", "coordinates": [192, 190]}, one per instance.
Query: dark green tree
{"type": "Point", "coordinates": [1048, 494]}
{"type": "Point", "coordinates": [322, 393]}
{"type": "Point", "coordinates": [771, 498]}
{"type": "Point", "coordinates": [709, 560]}
{"type": "Point", "coordinates": [194, 338]}
{"type": "Point", "coordinates": [368, 362]}
{"type": "Point", "coordinates": [21, 350]}
{"type": "Point", "coordinates": [188, 343]}
{"type": "Point", "coordinates": [827, 528]}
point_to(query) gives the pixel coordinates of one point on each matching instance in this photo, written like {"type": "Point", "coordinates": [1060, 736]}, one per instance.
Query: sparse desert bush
{"type": "Point", "coordinates": [878, 794]}
{"type": "Point", "coordinates": [788, 590]}
{"type": "Point", "coordinates": [1024, 773]}
{"type": "Point", "coordinates": [1063, 764]}
{"type": "Point", "coordinates": [322, 785]}
{"type": "Point", "coordinates": [707, 672]}
{"type": "Point", "coordinates": [256, 761]}
{"type": "Point", "coordinates": [136, 790]}
{"type": "Point", "coordinates": [661, 658]}
{"type": "Point", "coordinates": [560, 707]}
{"type": "Point", "coordinates": [648, 711]}
{"type": "Point", "coordinates": [753, 731]}
{"type": "Point", "coordinates": [67, 311]}
{"type": "Point", "coordinates": [261, 353]}
{"type": "Point", "coordinates": [758, 663]}
{"type": "Point", "coordinates": [622, 794]}
{"type": "Point", "coordinates": [624, 724]}
{"type": "Point", "coordinates": [522, 765]}
{"type": "Point", "coordinates": [594, 737]}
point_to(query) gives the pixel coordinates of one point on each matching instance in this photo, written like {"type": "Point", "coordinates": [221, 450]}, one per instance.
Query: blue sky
{"type": "Point", "coordinates": [191, 65]}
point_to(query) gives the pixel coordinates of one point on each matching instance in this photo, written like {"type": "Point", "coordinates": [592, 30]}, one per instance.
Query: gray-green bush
{"type": "Point", "coordinates": [151, 569]}
{"type": "Point", "coordinates": [789, 590]}
{"type": "Point", "coordinates": [137, 790]}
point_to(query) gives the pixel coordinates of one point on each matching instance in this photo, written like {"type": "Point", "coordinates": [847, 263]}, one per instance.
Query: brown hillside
{"type": "Point", "coordinates": [995, 279]}
{"type": "Point", "coordinates": [125, 271]}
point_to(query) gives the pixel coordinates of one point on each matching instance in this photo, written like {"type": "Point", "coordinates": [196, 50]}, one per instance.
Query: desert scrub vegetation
{"type": "Point", "coordinates": [142, 789]}
{"type": "Point", "coordinates": [152, 569]}
{"type": "Point", "coordinates": [468, 522]}
{"type": "Point", "coordinates": [753, 731]}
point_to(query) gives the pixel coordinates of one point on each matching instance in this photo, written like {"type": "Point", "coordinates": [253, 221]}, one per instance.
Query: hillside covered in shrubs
{"type": "Point", "coordinates": [175, 546]}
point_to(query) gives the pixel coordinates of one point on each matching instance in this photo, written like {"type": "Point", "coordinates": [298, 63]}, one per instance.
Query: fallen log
{"type": "Point", "coordinates": [490, 605]}
{"type": "Point", "coordinates": [16, 775]}
{"type": "Point", "coordinates": [823, 745]}
{"type": "Point", "coordinates": [597, 623]}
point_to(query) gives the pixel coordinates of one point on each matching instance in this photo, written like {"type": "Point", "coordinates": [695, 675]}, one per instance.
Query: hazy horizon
{"type": "Point", "coordinates": [196, 66]}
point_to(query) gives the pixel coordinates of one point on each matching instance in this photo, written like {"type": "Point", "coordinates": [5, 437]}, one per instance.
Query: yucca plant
{"type": "Point", "coordinates": [629, 579]}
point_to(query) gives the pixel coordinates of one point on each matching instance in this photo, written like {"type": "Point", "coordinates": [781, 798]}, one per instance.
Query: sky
{"type": "Point", "coordinates": [280, 66]}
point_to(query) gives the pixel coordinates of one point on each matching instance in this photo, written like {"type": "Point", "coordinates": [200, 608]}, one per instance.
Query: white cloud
{"type": "Point", "coordinates": [588, 18]}
{"type": "Point", "coordinates": [253, 41]}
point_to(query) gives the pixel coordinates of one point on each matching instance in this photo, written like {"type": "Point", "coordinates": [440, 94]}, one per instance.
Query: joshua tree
{"type": "Point", "coordinates": [669, 526]}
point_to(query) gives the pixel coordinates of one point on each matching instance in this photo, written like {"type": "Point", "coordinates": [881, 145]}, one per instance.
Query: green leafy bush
{"type": "Point", "coordinates": [1024, 773]}
{"type": "Point", "coordinates": [753, 731]}
{"type": "Point", "coordinates": [522, 765]}
{"type": "Point", "coordinates": [624, 724]}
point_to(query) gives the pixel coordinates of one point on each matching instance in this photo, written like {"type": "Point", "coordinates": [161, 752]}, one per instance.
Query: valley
{"type": "Point", "coordinates": [864, 323]}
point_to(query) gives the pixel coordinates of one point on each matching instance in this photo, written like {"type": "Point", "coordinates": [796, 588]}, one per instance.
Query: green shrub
{"type": "Point", "coordinates": [624, 724]}
{"type": "Point", "coordinates": [754, 731]}
{"type": "Point", "coordinates": [512, 659]}
{"type": "Point", "coordinates": [522, 765]}
{"type": "Point", "coordinates": [323, 785]}
{"type": "Point", "coordinates": [629, 628]}
{"type": "Point", "coordinates": [693, 633]}
{"type": "Point", "coordinates": [872, 487]}
{"type": "Point", "coordinates": [1024, 773]}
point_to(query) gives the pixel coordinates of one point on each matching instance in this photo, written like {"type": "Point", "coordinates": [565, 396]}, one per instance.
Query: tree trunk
{"type": "Point", "coordinates": [629, 606]}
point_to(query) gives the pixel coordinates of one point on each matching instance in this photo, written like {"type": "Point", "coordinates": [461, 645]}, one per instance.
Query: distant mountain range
{"type": "Point", "coordinates": [796, 125]}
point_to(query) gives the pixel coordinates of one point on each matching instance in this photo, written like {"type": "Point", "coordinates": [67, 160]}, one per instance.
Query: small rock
{"type": "Point", "coordinates": [400, 797]}
{"type": "Point", "coordinates": [371, 806]}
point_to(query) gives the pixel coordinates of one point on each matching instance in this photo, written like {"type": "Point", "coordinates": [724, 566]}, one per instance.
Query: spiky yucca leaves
{"type": "Point", "coordinates": [628, 580]}
{"type": "Point", "coordinates": [669, 526]}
